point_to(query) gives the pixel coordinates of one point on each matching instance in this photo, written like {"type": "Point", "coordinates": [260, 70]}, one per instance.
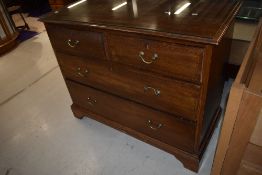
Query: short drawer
{"type": "Point", "coordinates": [169, 59]}
{"type": "Point", "coordinates": [169, 95]}
{"type": "Point", "coordinates": [153, 123]}
{"type": "Point", "coordinates": [76, 42]}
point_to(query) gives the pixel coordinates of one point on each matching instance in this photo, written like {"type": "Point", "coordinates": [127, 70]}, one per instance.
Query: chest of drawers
{"type": "Point", "coordinates": [153, 75]}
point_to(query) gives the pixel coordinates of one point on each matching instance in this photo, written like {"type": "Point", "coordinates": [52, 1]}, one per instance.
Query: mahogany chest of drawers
{"type": "Point", "coordinates": [147, 69]}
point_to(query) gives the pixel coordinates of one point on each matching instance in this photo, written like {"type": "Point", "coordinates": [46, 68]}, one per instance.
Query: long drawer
{"type": "Point", "coordinates": [77, 42]}
{"type": "Point", "coordinates": [153, 123]}
{"type": "Point", "coordinates": [169, 59]}
{"type": "Point", "coordinates": [176, 97]}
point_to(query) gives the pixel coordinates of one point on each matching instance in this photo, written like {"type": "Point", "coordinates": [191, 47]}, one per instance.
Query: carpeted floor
{"type": "Point", "coordinates": [25, 64]}
{"type": "Point", "coordinates": [32, 59]}
{"type": "Point", "coordinates": [25, 35]}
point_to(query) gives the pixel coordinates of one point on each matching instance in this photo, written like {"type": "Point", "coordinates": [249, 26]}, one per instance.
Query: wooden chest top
{"type": "Point", "coordinates": [195, 20]}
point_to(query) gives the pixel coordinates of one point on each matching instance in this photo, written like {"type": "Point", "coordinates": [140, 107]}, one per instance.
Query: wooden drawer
{"type": "Point", "coordinates": [76, 42]}
{"type": "Point", "coordinates": [153, 123]}
{"type": "Point", "coordinates": [168, 95]}
{"type": "Point", "coordinates": [173, 60]}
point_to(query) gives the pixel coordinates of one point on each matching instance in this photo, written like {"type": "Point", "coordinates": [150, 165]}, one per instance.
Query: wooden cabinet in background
{"type": "Point", "coordinates": [8, 32]}
{"type": "Point", "coordinates": [239, 149]}
{"type": "Point", "coordinates": [157, 76]}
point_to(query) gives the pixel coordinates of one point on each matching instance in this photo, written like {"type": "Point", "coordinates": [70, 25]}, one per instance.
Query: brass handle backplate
{"type": "Point", "coordinates": [154, 126]}
{"type": "Point", "coordinates": [72, 43]}
{"type": "Point", "coordinates": [82, 73]}
{"type": "Point", "coordinates": [91, 101]}
{"type": "Point", "coordinates": [156, 91]}
{"type": "Point", "coordinates": [141, 55]}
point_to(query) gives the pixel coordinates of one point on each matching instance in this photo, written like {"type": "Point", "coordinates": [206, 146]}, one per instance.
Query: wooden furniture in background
{"type": "Point", "coordinates": [239, 149]}
{"type": "Point", "coordinates": [142, 69]}
{"type": "Point", "coordinates": [57, 4]}
{"type": "Point", "coordinates": [8, 32]}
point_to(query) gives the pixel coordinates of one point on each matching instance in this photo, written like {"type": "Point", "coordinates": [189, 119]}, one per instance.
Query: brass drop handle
{"type": "Point", "coordinates": [156, 91]}
{"type": "Point", "coordinates": [80, 73]}
{"type": "Point", "coordinates": [141, 55]}
{"type": "Point", "coordinates": [91, 101]}
{"type": "Point", "coordinates": [72, 43]}
{"type": "Point", "coordinates": [153, 126]}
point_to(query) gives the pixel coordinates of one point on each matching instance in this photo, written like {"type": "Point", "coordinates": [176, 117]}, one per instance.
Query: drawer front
{"type": "Point", "coordinates": [153, 123]}
{"type": "Point", "coordinates": [173, 60]}
{"type": "Point", "coordinates": [168, 95]}
{"type": "Point", "coordinates": [76, 42]}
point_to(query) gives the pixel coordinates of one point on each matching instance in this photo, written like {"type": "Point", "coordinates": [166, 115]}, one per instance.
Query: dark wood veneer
{"type": "Point", "coordinates": [190, 161]}
{"type": "Point", "coordinates": [82, 42]}
{"type": "Point", "coordinates": [183, 102]}
{"type": "Point", "coordinates": [209, 25]}
{"type": "Point", "coordinates": [173, 131]}
{"type": "Point", "coordinates": [177, 92]}
{"type": "Point", "coordinates": [173, 60]}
